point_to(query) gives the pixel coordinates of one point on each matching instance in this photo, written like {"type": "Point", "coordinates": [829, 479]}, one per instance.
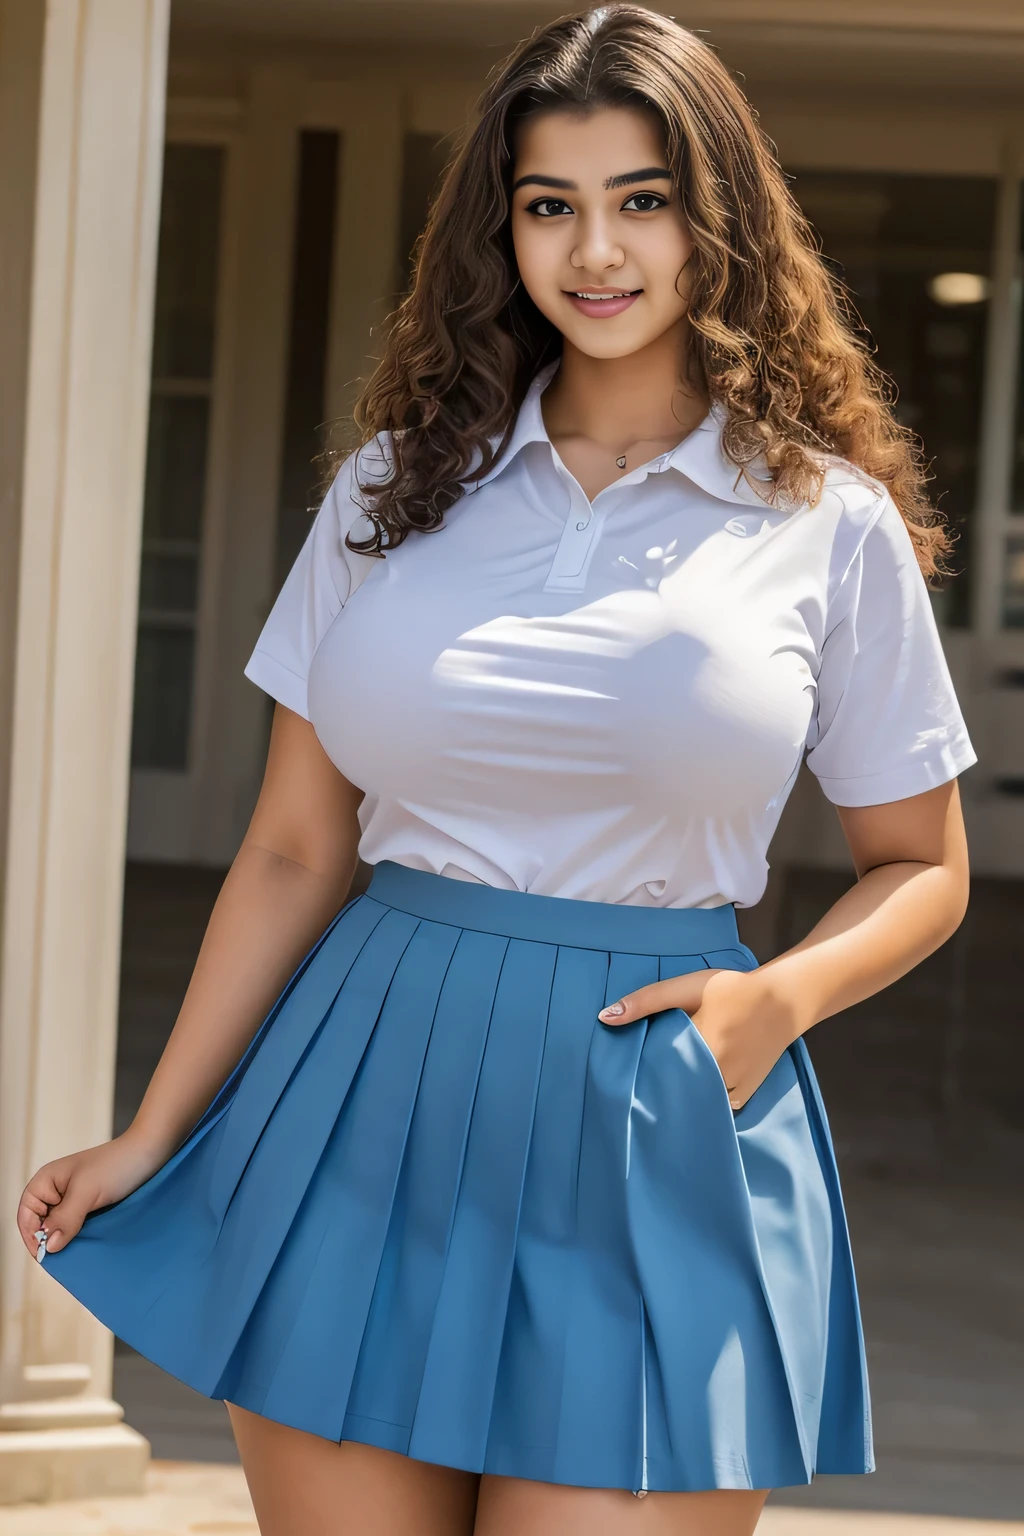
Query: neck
{"type": "Point", "coordinates": [620, 400]}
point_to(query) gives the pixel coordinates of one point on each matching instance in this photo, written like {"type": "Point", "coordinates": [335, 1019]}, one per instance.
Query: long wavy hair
{"type": "Point", "coordinates": [773, 336]}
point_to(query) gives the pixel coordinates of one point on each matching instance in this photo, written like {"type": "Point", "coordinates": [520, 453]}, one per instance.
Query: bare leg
{"type": "Point", "coordinates": [511, 1506]}
{"type": "Point", "coordinates": [304, 1485]}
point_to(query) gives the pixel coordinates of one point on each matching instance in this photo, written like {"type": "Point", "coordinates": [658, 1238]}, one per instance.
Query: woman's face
{"type": "Point", "coordinates": [595, 212]}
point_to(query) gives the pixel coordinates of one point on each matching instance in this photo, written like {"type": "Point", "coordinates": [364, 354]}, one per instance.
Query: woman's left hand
{"type": "Point", "coordinates": [744, 1023]}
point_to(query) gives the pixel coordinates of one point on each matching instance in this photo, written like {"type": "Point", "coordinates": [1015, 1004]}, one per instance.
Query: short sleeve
{"type": "Point", "coordinates": [888, 723]}
{"type": "Point", "coordinates": [317, 586]}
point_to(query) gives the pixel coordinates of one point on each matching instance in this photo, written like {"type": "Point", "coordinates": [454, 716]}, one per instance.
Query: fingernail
{"type": "Point", "coordinates": [613, 1011]}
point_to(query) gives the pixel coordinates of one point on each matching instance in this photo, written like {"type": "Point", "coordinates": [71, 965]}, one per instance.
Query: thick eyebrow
{"type": "Point", "coordinates": [650, 173]}
{"type": "Point", "coordinates": [545, 181]}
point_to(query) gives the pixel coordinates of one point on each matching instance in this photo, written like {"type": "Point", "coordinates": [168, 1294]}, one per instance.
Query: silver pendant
{"type": "Point", "coordinates": [621, 462]}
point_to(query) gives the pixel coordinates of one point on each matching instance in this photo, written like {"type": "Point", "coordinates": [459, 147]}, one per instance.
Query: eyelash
{"type": "Point", "coordinates": [535, 207]}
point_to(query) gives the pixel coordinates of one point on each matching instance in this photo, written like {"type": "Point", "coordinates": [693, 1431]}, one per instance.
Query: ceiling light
{"type": "Point", "coordinates": [952, 288]}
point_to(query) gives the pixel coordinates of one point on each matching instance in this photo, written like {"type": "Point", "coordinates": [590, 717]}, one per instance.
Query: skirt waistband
{"type": "Point", "coordinates": [554, 919]}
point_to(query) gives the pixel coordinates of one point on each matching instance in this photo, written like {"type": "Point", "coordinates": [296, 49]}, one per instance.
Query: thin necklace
{"type": "Point", "coordinates": [620, 461]}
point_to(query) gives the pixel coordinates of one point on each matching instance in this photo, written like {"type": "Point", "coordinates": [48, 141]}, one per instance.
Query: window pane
{"type": "Point", "coordinates": [915, 251]}
{"type": "Point", "coordinates": [186, 285]}
{"type": "Point", "coordinates": [163, 697]}
{"type": "Point", "coordinates": [168, 582]}
{"type": "Point", "coordinates": [176, 468]}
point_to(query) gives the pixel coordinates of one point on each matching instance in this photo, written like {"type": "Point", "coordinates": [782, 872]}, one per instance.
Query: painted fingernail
{"type": "Point", "coordinates": [613, 1011]}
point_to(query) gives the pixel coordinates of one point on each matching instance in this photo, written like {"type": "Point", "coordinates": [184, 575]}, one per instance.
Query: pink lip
{"type": "Point", "coordinates": [601, 309]}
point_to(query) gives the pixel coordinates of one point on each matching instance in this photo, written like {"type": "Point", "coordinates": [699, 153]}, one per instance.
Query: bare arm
{"type": "Point", "coordinates": [287, 881]}
{"type": "Point", "coordinates": [911, 894]}
{"type": "Point", "coordinates": [913, 882]}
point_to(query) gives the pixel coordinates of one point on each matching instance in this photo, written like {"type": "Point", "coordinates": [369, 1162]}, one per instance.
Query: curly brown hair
{"type": "Point", "coordinates": [774, 336]}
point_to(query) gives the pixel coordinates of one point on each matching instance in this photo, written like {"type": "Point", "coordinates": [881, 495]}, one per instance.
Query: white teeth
{"type": "Point", "coordinates": [624, 295]}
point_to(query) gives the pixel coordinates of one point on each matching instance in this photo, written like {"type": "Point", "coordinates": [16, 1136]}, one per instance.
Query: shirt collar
{"type": "Point", "coordinates": [699, 456]}
{"type": "Point", "coordinates": [529, 427]}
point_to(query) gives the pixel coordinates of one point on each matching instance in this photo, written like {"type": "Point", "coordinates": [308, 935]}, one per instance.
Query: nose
{"type": "Point", "coordinates": [596, 250]}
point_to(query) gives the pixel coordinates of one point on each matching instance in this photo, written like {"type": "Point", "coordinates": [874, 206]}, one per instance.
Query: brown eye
{"type": "Point", "coordinates": [548, 207]}
{"type": "Point", "coordinates": [647, 201]}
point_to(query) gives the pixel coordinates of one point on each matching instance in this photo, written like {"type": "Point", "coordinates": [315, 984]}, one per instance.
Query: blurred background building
{"type": "Point", "coordinates": [207, 209]}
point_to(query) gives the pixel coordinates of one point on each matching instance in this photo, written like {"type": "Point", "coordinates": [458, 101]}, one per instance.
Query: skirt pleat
{"type": "Point", "coordinates": [845, 1402]}
{"type": "Point", "coordinates": [439, 1208]}
{"type": "Point", "coordinates": [458, 1385]}
{"type": "Point", "coordinates": [602, 1404]}
{"type": "Point", "coordinates": [694, 1264]}
{"type": "Point", "coordinates": [294, 1159]}
{"type": "Point", "coordinates": [356, 1178]}
{"type": "Point", "coordinates": [360, 957]}
{"type": "Point", "coordinates": [392, 1361]}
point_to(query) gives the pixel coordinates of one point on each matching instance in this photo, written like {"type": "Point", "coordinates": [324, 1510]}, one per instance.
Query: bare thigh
{"type": "Point", "coordinates": [510, 1506]}
{"type": "Point", "coordinates": [304, 1485]}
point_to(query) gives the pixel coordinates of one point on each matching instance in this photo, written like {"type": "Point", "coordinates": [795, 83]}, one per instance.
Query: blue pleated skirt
{"type": "Point", "coordinates": [440, 1208]}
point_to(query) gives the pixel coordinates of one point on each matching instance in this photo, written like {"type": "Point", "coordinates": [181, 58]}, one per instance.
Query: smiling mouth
{"type": "Point", "coordinates": [589, 293]}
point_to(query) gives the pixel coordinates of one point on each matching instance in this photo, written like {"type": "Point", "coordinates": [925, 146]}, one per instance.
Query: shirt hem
{"type": "Point", "coordinates": [914, 778]}
{"type": "Point", "coordinates": [284, 686]}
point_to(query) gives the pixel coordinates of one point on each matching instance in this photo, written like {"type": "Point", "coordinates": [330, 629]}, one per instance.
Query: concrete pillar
{"type": "Point", "coordinates": [82, 87]}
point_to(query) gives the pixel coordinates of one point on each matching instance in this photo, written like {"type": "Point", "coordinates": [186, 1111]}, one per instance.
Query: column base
{"type": "Point", "coordinates": [44, 1465]}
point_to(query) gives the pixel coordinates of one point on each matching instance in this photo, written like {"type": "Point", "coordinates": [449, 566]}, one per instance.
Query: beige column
{"type": "Point", "coordinates": [81, 131]}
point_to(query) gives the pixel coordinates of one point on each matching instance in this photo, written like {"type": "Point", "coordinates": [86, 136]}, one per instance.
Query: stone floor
{"type": "Point", "coordinates": [923, 1087]}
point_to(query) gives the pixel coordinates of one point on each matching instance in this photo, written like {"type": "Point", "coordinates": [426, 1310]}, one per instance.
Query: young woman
{"type": "Point", "coordinates": [521, 1201]}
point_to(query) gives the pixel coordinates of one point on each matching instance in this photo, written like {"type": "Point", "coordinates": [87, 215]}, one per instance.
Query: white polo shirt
{"type": "Point", "coordinates": [610, 701]}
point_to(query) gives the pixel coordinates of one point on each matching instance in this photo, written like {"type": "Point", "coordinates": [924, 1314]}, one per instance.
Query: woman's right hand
{"type": "Point", "coordinates": [60, 1196]}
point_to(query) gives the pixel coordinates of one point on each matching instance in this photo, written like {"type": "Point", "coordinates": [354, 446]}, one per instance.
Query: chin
{"type": "Point", "coordinates": [608, 347]}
